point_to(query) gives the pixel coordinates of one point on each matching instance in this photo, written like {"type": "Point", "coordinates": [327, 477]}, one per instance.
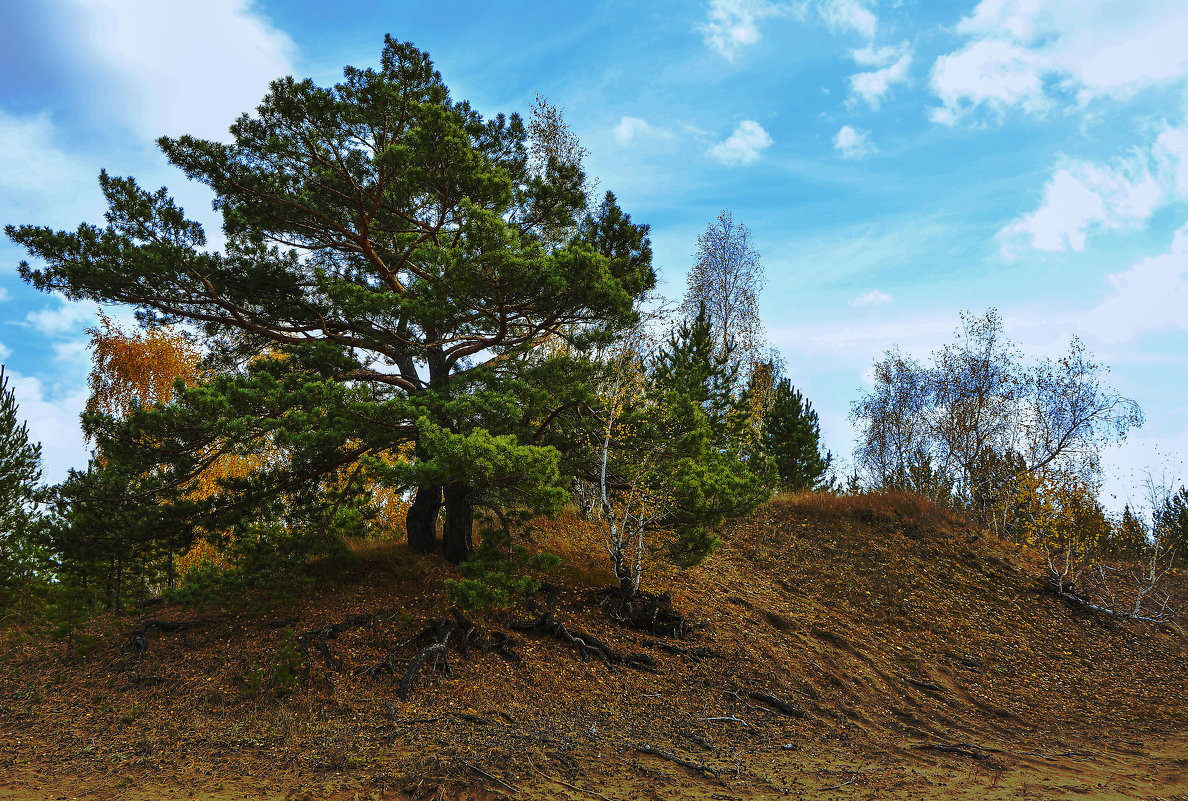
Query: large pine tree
{"type": "Point", "coordinates": [397, 257]}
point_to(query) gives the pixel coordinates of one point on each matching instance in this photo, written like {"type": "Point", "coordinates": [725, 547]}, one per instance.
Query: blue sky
{"type": "Point", "coordinates": [897, 161]}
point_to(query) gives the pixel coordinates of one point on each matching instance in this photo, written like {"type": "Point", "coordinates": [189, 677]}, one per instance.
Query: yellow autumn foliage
{"type": "Point", "coordinates": [141, 367]}
{"type": "Point", "coordinates": [1057, 510]}
{"type": "Point", "coordinates": [138, 368]}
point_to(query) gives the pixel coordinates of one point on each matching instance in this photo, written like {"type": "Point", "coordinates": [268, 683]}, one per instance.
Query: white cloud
{"type": "Point", "coordinates": [1084, 196]}
{"type": "Point", "coordinates": [633, 128]}
{"type": "Point", "coordinates": [69, 318]}
{"type": "Point", "coordinates": [857, 343]}
{"type": "Point", "coordinates": [874, 297]}
{"type": "Point", "coordinates": [3, 294]}
{"type": "Point", "coordinates": [184, 67]}
{"type": "Point", "coordinates": [52, 416]}
{"type": "Point", "coordinates": [893, 64]}
{"type": "Point", "coordinates": [1152, 295]}
{"type": "Point", "coordinates": [734, 24]}
{"type": "Point", "coordinates": [1031, 54]}
{"type": "Point", "coordinates": [996, 74]}
{"type": "Point", "coordinates": [28, 157]}
{"type": "Point", "coordinates": [871, 56]}
{"type": "Point", "coordinates": [849, 15]}
{"type": "Point", "coordinates": [744, 145]}
{"type": "Point", "coordinates": [1171, 157]}
{"type": "Point", "coordinates": [851, 143]}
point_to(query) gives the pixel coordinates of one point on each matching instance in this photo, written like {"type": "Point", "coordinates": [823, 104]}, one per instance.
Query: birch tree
{"type": "Point", "coordinates": [979, 416]}
{"type": "Point", "coordinates": [666, 477]}
{"type": "Point", "coordinates": [727, 278]}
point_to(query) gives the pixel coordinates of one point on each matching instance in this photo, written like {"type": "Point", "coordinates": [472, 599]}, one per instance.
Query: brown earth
{"type": "Point", "coordinates": [929, 661]}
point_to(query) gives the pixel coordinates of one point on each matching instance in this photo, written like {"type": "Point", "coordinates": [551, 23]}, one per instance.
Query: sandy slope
{"type": "Point", "coordinates": [928, 660]}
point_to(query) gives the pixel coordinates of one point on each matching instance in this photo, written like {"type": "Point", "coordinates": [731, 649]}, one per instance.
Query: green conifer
{"type": "Point", "coordinates": [792, 438]}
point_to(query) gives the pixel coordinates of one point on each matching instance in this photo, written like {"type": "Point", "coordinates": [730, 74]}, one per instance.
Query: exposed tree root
{"type": "Point", "coordinates": [437, 650]}
{"type": "Point", "coordinates": [778, 704]}
{"type": "Point", "coordinates": [386, 666]}
{"type": "Point", "coordinates": [462, 633]}
{"type": "Point", "coordinates": [694, 654]}
{"type": "Point", "coordinates": [647, 612]}
{"type": "Point", "coordinates": [775, 704]}
{"type": "Point", "coordinates": [587, 645]}
{"type": "Point", "coordinates": [137, 642]}
{"type": "Point", "coordinates": [676, 760]}
{"type": "Point", "coordinates": [501, 643]}
{"type": "Point", "coordinates": [482, 772]}
{"type": "Point", "coordinates": [1066, 591]}
{"type": "Point", "coordinates": [321, 639]}
{"type": "Point", "coordinates": [925, 685]}
{"type": "Point", "coordinates": [965, 749]}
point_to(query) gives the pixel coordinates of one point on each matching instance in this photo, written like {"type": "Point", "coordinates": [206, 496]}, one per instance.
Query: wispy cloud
{"type": "Point", "coordinates": [1032, 55]}
{"type": "Point", "coordinates": [734, 24]}
{"type": "Point", "coordinates": [633, 128]}
{"type": "Point", "coordinates": [893, 65]}
{"type": "Point", "coordinates": [874, 297]}
{"type": "Point", "coordinates": [851, 143]}
{"type": "Point", "coordinates": [743, 146]}
{"type": "Point", "coordinates": [1085, 196]}
{"type": "Point", "coordinates": [67, 318]}
{"type": "Point", "coordinates": [849, 15]}
{"type": "Point", "coordinates": [1149, 296]}
{"type": "Point", "coordinates": [38, 177]}
{"type": "Point", "coordinates": [52, 415]}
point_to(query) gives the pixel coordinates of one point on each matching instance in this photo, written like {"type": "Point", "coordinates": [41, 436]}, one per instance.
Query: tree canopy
{"type": "Point", "coordinates": [978, 417]}
{"type": "Point", "coordinates": [669, 451]}
{"type": "Point", "coordinates": [396, 256]}
{"type": "Point", "coordinates": [792, 437]}
{"type": "Point", "coordinates": [21, 559]}
{"type": "Point", "coordinates": [726, 279]}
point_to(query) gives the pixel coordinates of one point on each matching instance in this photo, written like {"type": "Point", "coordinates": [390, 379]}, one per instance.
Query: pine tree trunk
{"type": "Point", "coordinates": [421, 521]}
{"type": "Point", "coordinates": [457, 542]}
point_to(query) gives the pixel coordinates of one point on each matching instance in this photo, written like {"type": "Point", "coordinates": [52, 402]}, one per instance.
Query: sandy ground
{"type": "Point", "coordinates": [927, 663]}
{"type": "Point", "coordinates": [1105, 771]}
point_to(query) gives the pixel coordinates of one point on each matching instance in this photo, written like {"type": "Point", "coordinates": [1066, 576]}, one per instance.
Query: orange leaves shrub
{"type": "Point", "coordinates": [391, 507]}
{"type": "Point", "coordinates": [137, 369]}
{"type": "Point", "coordinates": [201, 553]}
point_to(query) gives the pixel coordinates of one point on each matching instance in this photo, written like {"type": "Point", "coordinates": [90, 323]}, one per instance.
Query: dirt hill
{"type": "Point", "coordinates": [855, 647]}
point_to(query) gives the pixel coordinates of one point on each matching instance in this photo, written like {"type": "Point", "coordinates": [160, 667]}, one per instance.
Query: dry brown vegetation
{"type": "Point", "coordinates": [927, 656]}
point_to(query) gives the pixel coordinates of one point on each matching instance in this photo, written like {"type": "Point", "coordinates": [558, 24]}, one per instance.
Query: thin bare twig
{"type": "Point", "coordinates": [482, 772]}
{"type": "Point", "coordinates": [852, 779]}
